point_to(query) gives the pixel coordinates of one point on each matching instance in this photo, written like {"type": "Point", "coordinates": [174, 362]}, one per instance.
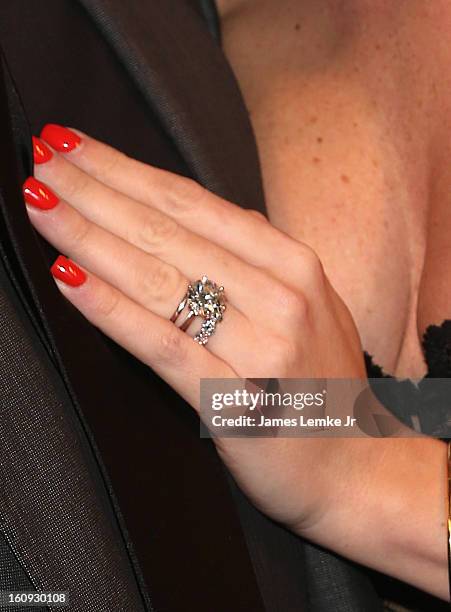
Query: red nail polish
{"type": "Point", "coordinates": [39, 195]}
{"type": "Point", "coordinates": [41, 152]}
{"type": "Point", "coordinates": [60, 138]}
{"type": "Point", "coordinates": [65, 270]}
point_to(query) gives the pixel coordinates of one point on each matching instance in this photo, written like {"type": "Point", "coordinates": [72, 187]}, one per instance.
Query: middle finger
{"type": "Point", "coordinates": [146, 280]}
{"type": "Point", "coordinates": [157, 234]}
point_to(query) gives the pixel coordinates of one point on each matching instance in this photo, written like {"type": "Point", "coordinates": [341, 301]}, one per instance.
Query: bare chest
{"type": "Point", "coordinates": [354, 165]}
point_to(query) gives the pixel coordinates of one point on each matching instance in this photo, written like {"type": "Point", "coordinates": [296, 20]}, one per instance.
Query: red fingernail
{"type": "Point", "coordinates": [60, 138]}
{"type": "Point", "coordinates": [39, 195]}
{"type": "Point", "coordinates": [65, 270]}
{"type": "Point", "coordinates": [41, 152]}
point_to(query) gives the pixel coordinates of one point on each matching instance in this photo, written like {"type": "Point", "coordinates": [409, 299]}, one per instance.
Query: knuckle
{"type": "Point", "coordinates": [171, 347]}
{"type": "Point", "coordinates": [311, 263]}
{"type": "Point", "coordinates": [294, 307]}
{"type": "Point", "coordinates": [291, 304]}
{"type": "Point", "coordinates": [185, 195]}
{"type": "Point", "coordinates": [111, 164]}
{"type": "Point", "coordinates": [154, 233]}
{"type": "Point", "coordinates": [280, 357]}
{"type": "Point", "coordinates": [160, 282]}
{"type": "Point", "coordinates": [258, 215]}
{"type": "Point", "coordinates": [107, 303]}
{"type": "Point", "coordinates": [77, 187]}
{"type": "Point", "coordinates": [79, 233]}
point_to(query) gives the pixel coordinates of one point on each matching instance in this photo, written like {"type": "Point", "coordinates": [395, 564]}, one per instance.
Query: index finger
{"type": "Point", "coordinates": [183, 199]}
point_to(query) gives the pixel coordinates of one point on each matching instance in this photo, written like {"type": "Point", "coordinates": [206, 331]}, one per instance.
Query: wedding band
{"type": "Point", "coordinates": [204, 299]}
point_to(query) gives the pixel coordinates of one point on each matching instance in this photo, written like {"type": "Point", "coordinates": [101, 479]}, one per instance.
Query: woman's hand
{"type": "Point", "coordinates": [141, 235]}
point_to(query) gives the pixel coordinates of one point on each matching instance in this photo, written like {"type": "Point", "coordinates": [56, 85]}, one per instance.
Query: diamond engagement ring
{"type": "Point", "coordinates": [206, 300]}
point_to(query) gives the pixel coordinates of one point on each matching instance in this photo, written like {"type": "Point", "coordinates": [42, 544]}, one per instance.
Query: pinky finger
{"type": "Point", "coordinates": [157, 342]}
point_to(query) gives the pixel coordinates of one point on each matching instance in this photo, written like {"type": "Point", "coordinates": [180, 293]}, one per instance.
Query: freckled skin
{"type": "Point", "coordinates": [366, 82]}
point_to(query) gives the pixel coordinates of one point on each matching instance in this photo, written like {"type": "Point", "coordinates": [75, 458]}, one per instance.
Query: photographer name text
{"type": "Point", "coordinates": [299, 421]}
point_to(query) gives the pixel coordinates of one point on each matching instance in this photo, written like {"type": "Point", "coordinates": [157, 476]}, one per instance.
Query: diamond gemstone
{"type": "Point", "coordinates": [206, 299]}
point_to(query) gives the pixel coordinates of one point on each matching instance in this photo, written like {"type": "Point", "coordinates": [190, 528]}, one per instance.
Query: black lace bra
{"type": "Point", "coordinates": [426, 404]}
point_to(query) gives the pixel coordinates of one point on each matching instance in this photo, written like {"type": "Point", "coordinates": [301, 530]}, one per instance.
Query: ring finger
{"type": "Point", "coordinates": [157, 234]}
{"type": "Point", "coordinates": [145, 279]}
